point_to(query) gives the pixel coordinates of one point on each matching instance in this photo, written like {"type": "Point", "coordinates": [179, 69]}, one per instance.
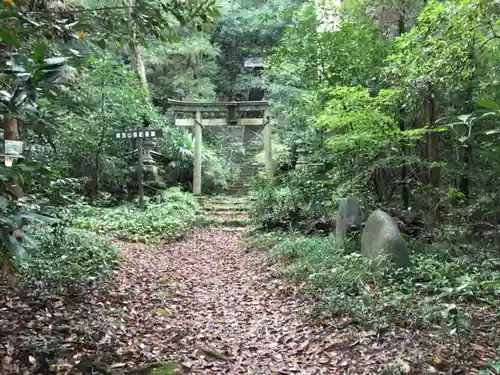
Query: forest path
{"type": "Point", "coordinates": [219, 309]}
{"type": "Point", "coordinates": [204, 303]}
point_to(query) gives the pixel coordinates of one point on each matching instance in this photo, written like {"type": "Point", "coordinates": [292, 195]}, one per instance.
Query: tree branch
{"type": "Point", "coordinates": [489, 40]}
{"type": "Point", "coordinates": [80, 10]}
{"type": "Point", "coordinates": [494, 36]}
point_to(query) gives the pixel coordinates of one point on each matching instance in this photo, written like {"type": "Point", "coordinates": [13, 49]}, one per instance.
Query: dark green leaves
{"type": "Point", "coordinates": [9, 37]}
{"type": "Point", "coordinates": [489, 104]}
{"type": "Point", "coordinates": [39, 52]}
{"type": "Point", "coordinates": [101, 43]}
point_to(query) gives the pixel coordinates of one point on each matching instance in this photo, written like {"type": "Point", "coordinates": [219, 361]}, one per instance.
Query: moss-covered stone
{"type": "Point", "coordinates": [382, 241]}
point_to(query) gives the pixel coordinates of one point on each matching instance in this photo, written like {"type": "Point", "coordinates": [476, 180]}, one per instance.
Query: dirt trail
{"type": "Point", "coordinates": [226, 313]}
{"type": "Point", "coordinates": [204, 302]}
{"type": "Point", "coordinates": [234, 307]}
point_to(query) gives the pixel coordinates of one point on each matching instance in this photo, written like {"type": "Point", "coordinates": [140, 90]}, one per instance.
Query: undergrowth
{"type": "Point", "coordinates": [166, 217]}
{"type": "Point", "coordinates": [67, 260]}
{"type": "Point", "coordinates": [71, 256]}
{"type": "Point", "coordinates": [438, 290]}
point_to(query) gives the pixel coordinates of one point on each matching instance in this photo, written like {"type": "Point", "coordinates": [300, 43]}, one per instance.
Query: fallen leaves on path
{"type": "Point", "coordinates": [205, 303]}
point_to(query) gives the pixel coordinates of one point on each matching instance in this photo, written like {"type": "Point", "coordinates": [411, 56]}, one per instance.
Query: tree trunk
{"type": "Point", "coordinates": [11, 132]}
{"type": "Point", "coordinates": [405, 191]}
{"type": "Point", "coordinates": [139, 67]}
{"type": "Point", "coordinates": [423, 147]}
{"type": "Point", "coordinates": [434, 138]}
{"type": "Point", "coordinates": [94, 188]}
{"type": "Point", "coordinates": [466, 150]}
{"type": "Point", "coordinates": [137, 60]}
{"type": "Point", "coordinates": [434, 170]}
{"type": "Point", "coordinates": [11, 129]}
{"type": "Point", "coordinates": [464, 179]}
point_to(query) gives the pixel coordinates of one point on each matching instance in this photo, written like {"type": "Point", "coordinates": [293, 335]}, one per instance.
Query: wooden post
{"type": "Point", "coordinates": [197, 154]}
{"type": "Point", "coordinates": [140, 172]}
{"type": "Point", "coordinates": [268, 157]}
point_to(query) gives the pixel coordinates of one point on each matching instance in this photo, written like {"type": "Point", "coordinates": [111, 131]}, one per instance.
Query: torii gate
{"type": "Point", "coordinates": [231, 110]}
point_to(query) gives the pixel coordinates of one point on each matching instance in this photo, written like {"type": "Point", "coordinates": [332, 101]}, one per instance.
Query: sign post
{"type": "Point", "coordinates": [140, 135]}
{"type": "Point", "coordinates": [140, 172]}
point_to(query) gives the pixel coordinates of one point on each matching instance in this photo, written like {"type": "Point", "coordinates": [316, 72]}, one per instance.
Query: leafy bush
{"type": "Point", "coordinates": [168, 216]}
{"type": "Point", "coordinates": [290, 198]}
{"type": "Point", "coordinates": [67, 259]}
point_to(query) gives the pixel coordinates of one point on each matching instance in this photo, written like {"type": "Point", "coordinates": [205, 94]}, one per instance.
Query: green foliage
{"type": "Point", "coordinates": [246, 28]}
{"type": "Point", "coordinates": [287, 200]}
{"type": "Point", "coordinates": [362, 123]}
{"type": "Point", "coordinates": [15, 216]}
{"type": "Point", "coordinates": [115, 24]}
{"type": "Point", "coordinates": [360, 98]}
{"type": "Point", "coordinates": [354, 107]}
{"type": "Point", "coordinates": [178, 146]}
{"type": "Point", "coordinates": [183, 69]}
{"type": "Point", "coordinates": [170, 217]}
{"type": "Point", "coordinates": [309, 58]}
{"type": "Point", "coordinates": [264, 240]}
{"type": "Point", "coordinates": [439, 55]}
{"type": "Point", "coordinates": [67, 260]}
{"type": "Point", "coordinates": [348, 285]}
{"type": "Point", "coordinates": [107, 99]}
{"type": "Point", "coordinates": [26, 81]}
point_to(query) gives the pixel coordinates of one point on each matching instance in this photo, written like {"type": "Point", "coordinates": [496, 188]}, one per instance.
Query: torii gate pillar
{"type": "Point", "coordinates": [198, 132]}
{"type": "Point", "coordinates": [223, 107]}
{"type": "Point", "coordinates": [267, 133]}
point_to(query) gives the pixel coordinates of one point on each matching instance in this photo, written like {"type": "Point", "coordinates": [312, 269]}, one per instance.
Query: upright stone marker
{"type": "Point", "coordinates": [382, 239]}
{"type": "Point", "coordinates": [348, 218]}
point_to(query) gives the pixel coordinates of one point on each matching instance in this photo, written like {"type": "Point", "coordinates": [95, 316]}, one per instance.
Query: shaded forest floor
{"type": "Point", "coordinates": [208, 304]}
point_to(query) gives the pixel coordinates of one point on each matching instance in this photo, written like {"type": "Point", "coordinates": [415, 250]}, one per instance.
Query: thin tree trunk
{"type": "Point", "coordinates": [434, 138]}
{"type": "Point", "coordinates": [424, 149]}
{"type": "Point", "coordinates": [137, 60]}
{"type": "Point", "coordinates": [466, 150]}
{"type": "Point", "coordinates": [11, 129]}
{"type": "Point", "coordinates": [435, 169]}
{"type": "Point", "coordinates": [464, 179]}
{"type": "Point", "coordinates": [99, 149]}
{"type": "Point", "coordinates": [95, 178]}
{"type": "Point", "coordinates": [405, 190]}
{"type": "Point", "coordinates": [11, 132]}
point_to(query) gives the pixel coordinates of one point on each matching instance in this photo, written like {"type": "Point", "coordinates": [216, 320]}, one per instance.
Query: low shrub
{"type": "Point", "coordinates": [264, 241]}
{"type": "Point", "coordinates": [290, 198]}
{"type": "Point", "coordinates": [67, 260]}
{"type": "Point", "coordinates": [166, 217]}
{"type": "Point", "coordinates": [424, 295]}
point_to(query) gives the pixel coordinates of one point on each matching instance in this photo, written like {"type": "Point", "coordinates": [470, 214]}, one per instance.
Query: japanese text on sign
{"type": "Point", "coordinates": [138, 134]}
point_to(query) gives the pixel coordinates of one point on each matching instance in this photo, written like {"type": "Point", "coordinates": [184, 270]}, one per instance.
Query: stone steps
{"type": "Point", "coordinates": [224, 205]}
{"type": "Point", "coordinates": [239, 186]}
{"type": "Point", "coordinates": [245, 162]}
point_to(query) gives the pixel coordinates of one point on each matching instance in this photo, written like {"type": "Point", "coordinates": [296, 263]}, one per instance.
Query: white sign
{"type": "Point", "coordinates": [13, 148]}
{"type": "Point", "coordinates": [143, 133]}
